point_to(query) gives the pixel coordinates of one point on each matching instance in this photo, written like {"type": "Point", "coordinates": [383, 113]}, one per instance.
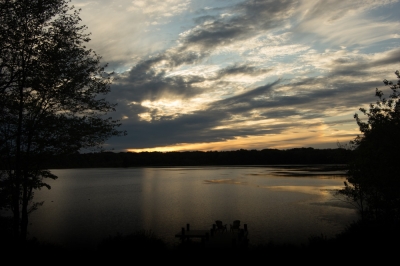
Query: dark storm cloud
{"type": "Point", "coordinates": [186, 128]}
{"type": "Point", "coordinates": [215, 34]}
{"type": "Point", "coordinates": [327, 96]}
{"type": "Point", "coordinates": [244, 20]}
{"type": "Point", "coordinates": [265, 98]}
{"type": "Point", "coordinates": [392, 57]}
{"type": "Point", "coordinates": [242, 69]}
{"type": "Point", "coordinates": [347, 67]}
{"type": "Point", "coordinates": [316, 102]}
{"type": "Point", "coordinates": [145, 82]}
{"type": "Point", "coordinates": [264, 11]}
{"type": "Point", "coordinates": [146, 70]}
{"type": "Point", "coordinates": [182, 57]}
{"type": "Point", "coordinates": [247, 96]}
{"type": "Point", "coordinates": [203, 19]}
{"type": "Point", "coordinates": [195, 128]}
{"type": "Point", "coordinates": [156, 89]}
{"type": "Point", "coordinates": [273, 113]}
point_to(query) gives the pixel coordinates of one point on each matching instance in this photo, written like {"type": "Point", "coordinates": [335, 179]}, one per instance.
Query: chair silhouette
{"type": "Point", "coordinates": [220, 226]}
{"type": "Point", "coordinates": [235, 225]}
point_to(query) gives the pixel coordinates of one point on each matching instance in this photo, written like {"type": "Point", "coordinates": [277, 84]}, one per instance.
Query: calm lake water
{"type": "Point", "coordinates": [278, 204]}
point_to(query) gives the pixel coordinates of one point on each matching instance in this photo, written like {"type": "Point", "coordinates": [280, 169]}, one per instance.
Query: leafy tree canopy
{"type": "Point", "coordinates": [52, 91]}
{"type": "Point", "coordinates": [373, 181]}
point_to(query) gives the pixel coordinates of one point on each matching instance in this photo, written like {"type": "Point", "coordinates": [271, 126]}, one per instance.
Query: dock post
{"type": "Point", "coordinates": [188, 227]}
{"type": "Point", "coordinates": [183, 234]}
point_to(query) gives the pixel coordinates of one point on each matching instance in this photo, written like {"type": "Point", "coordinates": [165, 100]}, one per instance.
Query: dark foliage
{"type": "Point", "coordinates": [51, 89]}
{"type": "Point", "coordinates": [373, 181]}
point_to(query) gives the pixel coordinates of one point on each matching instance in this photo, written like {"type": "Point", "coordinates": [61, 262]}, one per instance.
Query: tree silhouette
{"type": "Point", "coordinates": [50, 97]}
{"type": "Point", "coordinates": [373, 181]}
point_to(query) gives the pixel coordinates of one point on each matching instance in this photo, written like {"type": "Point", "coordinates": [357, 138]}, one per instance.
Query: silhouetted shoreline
{"type": "Point", "coordinates": [200, 158]}
{"type": "Point", "coordinates": [371, 238]}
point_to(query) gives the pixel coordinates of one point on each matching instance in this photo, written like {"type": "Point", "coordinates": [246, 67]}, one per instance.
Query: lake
{"type": "Point", "coordinates": [279, 204]}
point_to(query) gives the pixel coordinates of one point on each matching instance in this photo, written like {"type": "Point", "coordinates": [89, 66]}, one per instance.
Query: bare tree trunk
{"type": "Point", "coordinates": [24, 209]}
{"type": "Point", "coordinates": [18, 170]}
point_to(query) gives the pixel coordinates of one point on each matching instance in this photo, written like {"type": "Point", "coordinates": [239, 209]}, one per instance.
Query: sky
{"type": "Point", "coordinates": [223, 75]}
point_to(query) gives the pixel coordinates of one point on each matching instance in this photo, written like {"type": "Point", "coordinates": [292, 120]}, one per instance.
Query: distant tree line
{"type": "Point", "coordinates": [197, 158]}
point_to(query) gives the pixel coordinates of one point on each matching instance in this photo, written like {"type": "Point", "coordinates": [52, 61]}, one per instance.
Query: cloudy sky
{"type": "Point", "coordinates": [235, 74]}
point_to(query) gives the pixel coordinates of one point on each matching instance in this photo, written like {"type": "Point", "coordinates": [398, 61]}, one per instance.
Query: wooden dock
{"type": "Point", "coordinates": [214, 239]}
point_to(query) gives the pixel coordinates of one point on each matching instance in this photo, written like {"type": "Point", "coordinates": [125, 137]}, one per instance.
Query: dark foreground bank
{"type": "Point", "coordinates": [360, 240]}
